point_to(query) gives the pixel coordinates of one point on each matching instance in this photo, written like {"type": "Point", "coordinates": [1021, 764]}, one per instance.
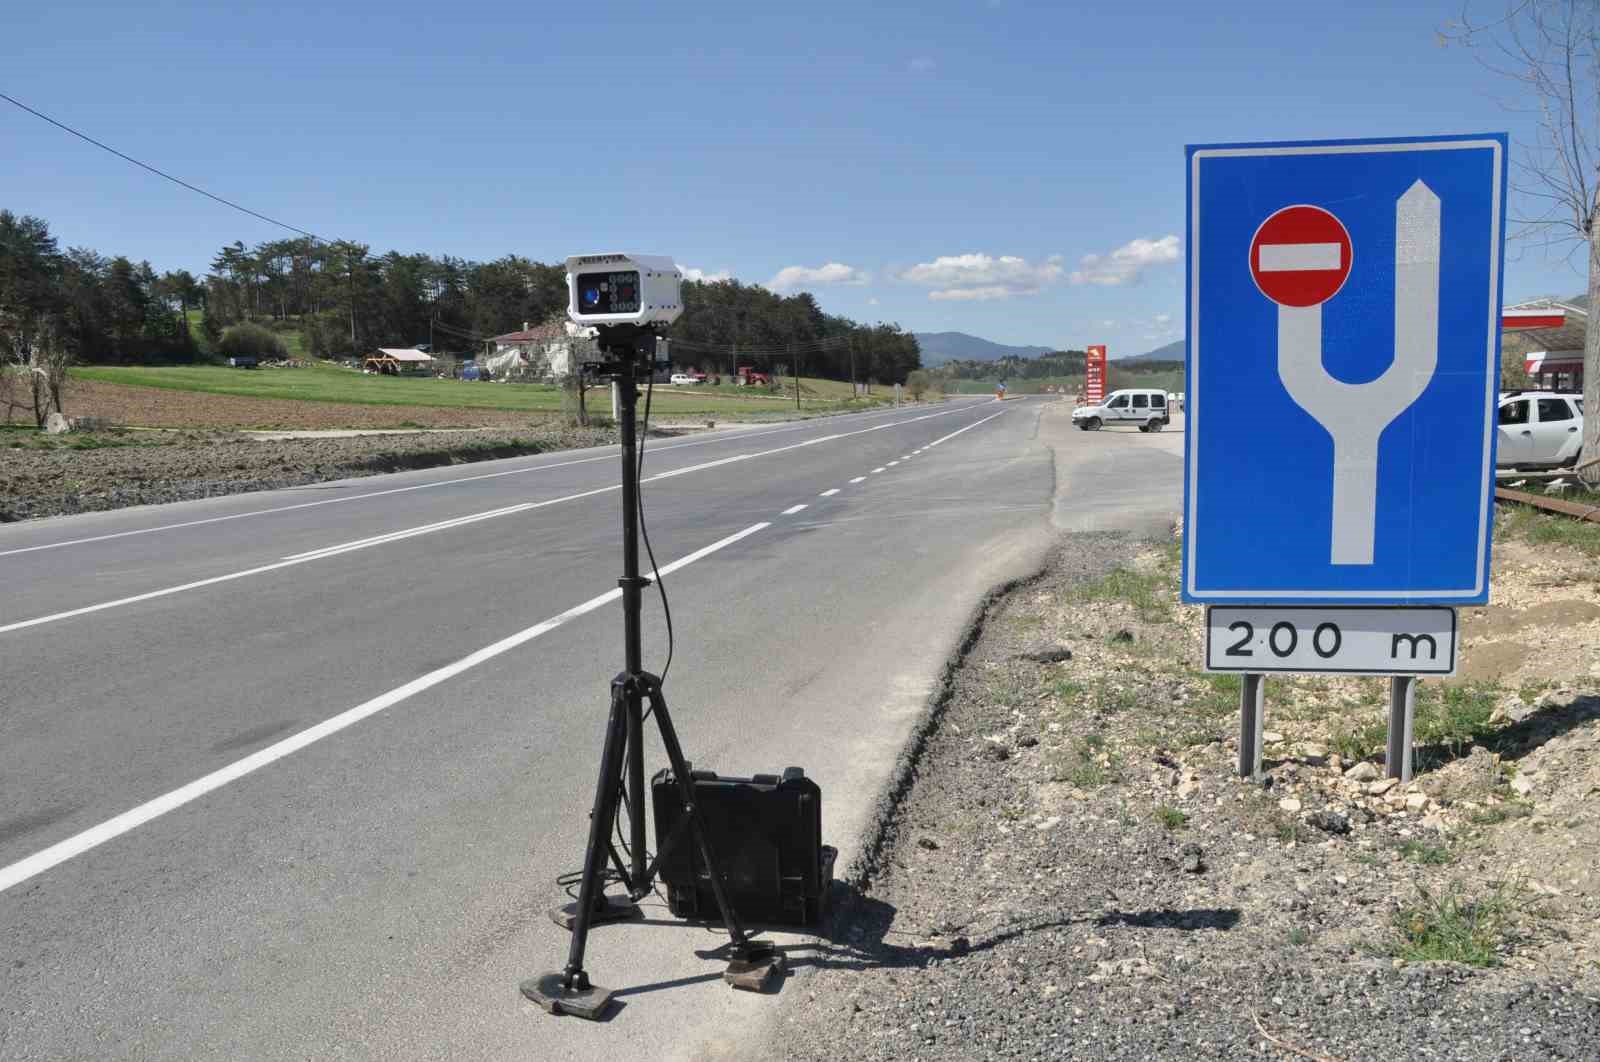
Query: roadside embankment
{"type": "Point", "coordinates": [1077, 872]}
{"type": "Point", "coordinates": [56, 475]}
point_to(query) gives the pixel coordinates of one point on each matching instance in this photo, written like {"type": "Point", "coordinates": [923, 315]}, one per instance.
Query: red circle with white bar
{"type": "Point", "coordinates": [1300, 256]}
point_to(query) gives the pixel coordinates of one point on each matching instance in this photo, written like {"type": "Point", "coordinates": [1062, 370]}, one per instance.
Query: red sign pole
{"type": "Point", "coordinates": [1094, 375]}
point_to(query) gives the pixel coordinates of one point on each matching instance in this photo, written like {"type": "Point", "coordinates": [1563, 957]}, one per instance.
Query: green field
{"type": "Point", "coordinates": [325, 382]}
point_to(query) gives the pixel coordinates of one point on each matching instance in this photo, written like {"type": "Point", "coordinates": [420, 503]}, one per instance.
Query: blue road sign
{"type": "Point", "coordinates": [1343, 370]}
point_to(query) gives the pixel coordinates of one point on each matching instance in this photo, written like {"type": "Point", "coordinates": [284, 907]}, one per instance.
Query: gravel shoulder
{"type": "Point", "coordinates": [1075, 871]}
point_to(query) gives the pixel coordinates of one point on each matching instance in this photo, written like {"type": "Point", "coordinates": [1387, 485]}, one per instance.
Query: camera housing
{"type": "Point", "coordinates": [624, 289]}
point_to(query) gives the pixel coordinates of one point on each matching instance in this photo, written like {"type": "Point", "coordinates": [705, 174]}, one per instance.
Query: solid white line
{"type": "Point", "coordinates": [858, 479]}
{"type": "Point", "coordinates": [791, 510]}
{"type": "Point", "coordinates": [969, 427]}
{"type": "Point", "coordinates": [1293, 257]}
{"type": "Point", "coordinates": [731, 438]}
{"type": "Point", "coordinates": [76, 845]}
{"type": "Point", "coordinates": [392, 536]}
{"type": "Point", "coordinates": [829, 493]}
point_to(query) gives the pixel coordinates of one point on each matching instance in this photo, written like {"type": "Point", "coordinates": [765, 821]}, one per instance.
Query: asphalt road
{"type": "Point", "coordinates": [289, 775]}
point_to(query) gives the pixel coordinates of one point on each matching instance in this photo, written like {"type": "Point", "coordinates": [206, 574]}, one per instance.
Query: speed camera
{"type": "Point", "coordinates": [620, 289]}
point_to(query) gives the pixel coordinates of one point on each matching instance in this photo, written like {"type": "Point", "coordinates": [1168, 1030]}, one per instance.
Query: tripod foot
{"type": "Point", "coordinates": [550, 992]}
{"type": "Point", "coordinates": [755, 967]}
{"type": "Point", "coordinates": [609, 909]}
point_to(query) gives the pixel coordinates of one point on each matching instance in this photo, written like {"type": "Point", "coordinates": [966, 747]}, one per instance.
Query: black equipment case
{"type": "Point", "coordinates": [767, 833]}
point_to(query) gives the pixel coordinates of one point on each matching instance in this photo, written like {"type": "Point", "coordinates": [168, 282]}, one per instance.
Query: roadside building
{"type": "Point", "coordinates": [396, 361]}
{"type": "Point", "coordinates": [542, 352]}
{"type": "Point", "coordinates": [1547, 336]}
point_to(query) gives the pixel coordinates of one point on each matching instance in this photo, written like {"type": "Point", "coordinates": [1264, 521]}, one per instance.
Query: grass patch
{"type": "Point", "coordinates": [1504, 811]}
{"type": "Point", "coordinates": [1299, 937]}
{"type": "Point", "coordinates": [1066, 689]}
{"type": "Point", "coordinates": [1219, 695]}
{"type": "Point", "coordinates": [1426, 853]}
{"type": "Point", "coordinates": [1086, 763]}
{"type": "Point", "coordinates": [1544, 529]}
{"type": "Point", "coordinates": [1449, 928]}
{"type": "Point", "coordinates": [1171, 818]}
{"type": "Point", "coordinates": [1142, 590]}
{"type": "Point", "coordinates": [327, 382]}
{"type": "Point", "coordinates": [1358, 741]}
{"type": "Point", "coordinates": [1456, 717]}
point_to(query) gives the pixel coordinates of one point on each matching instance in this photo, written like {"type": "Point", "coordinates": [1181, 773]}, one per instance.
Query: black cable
{"type": "Point", "coordinates": [666, 609]}
{"type": "Point", "coordinates": [160, 173]}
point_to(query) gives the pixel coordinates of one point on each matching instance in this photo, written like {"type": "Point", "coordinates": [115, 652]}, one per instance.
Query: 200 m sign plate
{"type": "Point", "coordinates": [1330, 638]}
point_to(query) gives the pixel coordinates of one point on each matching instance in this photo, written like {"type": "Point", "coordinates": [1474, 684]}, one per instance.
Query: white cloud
{"type": "Point", "coordinates": [872, 301]}
{"type": "Point", "coordinates": [794, 277]}
{"type": "Point", "coordinates": [922, 64]}
{"type": "Point", "coordinates": [691, 273]}
{"type": "Point", "coordinates": [1127, 263]}
{"type": "Point", "coordinates": [1108, 324]}
{"type": "Point", "coordinates": [1163, 318]}
{"type": "Point", "coordinates": [982, 277]}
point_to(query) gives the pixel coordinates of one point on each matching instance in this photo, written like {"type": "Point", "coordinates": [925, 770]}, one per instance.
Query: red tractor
{"type": "Point", "coordinates": [750, 376]}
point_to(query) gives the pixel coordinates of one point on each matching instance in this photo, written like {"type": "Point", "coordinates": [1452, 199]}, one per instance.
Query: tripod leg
{"type": "Point", "coordinates": [754, 963]}
{"type": "Point", "coordinates": [570, 991]}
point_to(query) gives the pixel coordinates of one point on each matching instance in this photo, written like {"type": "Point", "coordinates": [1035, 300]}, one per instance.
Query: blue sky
{"type": "Point", "coordinates": [1006, 168]}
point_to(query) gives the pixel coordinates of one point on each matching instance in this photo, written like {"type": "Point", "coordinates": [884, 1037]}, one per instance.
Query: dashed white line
{"type": "Point", "coordinates": [76, 845]}
{"type": "Point", "coordinates": [893, 463]}
{"type": "Point", "coordinates": [875, 471]}
{"type": "Point", "coordinates": [829, 493]}
{"type": "Point", "coordinates": [858, 479]}
{"type": "Point", "coordinates": [393, 536]}
{"type": "Point", "coordinates": [791, 510]}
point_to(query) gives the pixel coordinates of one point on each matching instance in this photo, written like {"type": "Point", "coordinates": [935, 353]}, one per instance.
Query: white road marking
{"type": "Point", "coordinates": [905, 457]}
{"type": "Point", "coordinates": [858, 479]}
{"type": "Point", "coordinates": [791, 510]}
{"type": "Point", "coordinates": [76, 845]}
{"type": "Point", "coordinates": [893, 463]}
{"type": "Point", "coordinates": [427, 486]}
{"type": "Point", "coordinates": [969, 427]}
{"type": "Point", "coordinates": [875, 471]}
{"type": "Point", "coordinates": [393, 536]}
{"type": "Point", "coordinates": [829, 493]}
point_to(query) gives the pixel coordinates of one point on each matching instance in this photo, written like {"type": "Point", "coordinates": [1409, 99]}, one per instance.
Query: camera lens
{"type": "Point", "coordinates": [591, 296]}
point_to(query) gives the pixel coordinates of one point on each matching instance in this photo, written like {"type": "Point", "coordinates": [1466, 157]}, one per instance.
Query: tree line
{"type": "Point", "coordinates": [345, 300]}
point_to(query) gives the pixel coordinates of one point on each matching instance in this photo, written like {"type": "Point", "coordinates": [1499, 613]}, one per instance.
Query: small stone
{"type": "Point", "coordinates": [1048, 824]}
{"type": "Point", "coordinates": [1192, 858]}
{"type": "Point", "coordinates": [1271, 737]}
{"type": "Point", "coordinates": [56, 424]}
{"type": "Point", "coordinates": [1329, 822]}
{"type": "Point", "coordinates": [1124, 636]}
{"type": "Point", "coordinates": [1027, 741]}
{"type": "Point", "coordinates": [1049, 656]}
{"type": "Point", "coordinates": [1365, 771]}
{"type": "Point", "coordinates": [1187, 790]}
{"type": "Point", "coordinates": [1522, 784]}
{"type": "Point", "coordinates": [996, 751]}
{"type": "Point", "coordinates": [1381, 786]}
{"type": "Point", "coordinates": [1416, 801]}
{"type": "Point", "coordinates": [929, 843]}
{"type": "Point", "coordinates": [1289, 804]}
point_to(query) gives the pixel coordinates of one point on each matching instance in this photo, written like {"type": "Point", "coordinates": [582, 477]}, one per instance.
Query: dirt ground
{"type": "Point", "coordinates": [55, 475]}
{"type": "Point", "coordinates": [1077, 871]}
{"type": "Point", "coordinates": [157, 407]}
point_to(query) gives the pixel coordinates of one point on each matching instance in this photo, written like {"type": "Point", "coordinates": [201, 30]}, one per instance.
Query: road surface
{"type": "Point", "coordinates": [290, 774]}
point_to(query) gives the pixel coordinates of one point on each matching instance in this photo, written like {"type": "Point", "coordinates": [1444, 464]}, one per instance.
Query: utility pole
{"type": "Point", "coordinates": [852, 364]}
{"type": "Point", "coordinates": [794, 367]}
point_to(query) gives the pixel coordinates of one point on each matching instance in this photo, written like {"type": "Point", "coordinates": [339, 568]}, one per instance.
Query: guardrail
{"type": "Point", "coordinates": [1554, 505]}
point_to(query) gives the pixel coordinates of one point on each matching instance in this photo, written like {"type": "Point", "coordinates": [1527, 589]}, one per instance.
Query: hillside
{"type": "Point", "coordinates": [940, 347]}
{"type": "Point", "coordinates": [1171, 352]}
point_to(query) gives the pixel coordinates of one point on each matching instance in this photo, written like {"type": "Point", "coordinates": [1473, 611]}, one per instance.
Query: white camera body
{"type": "Point", "coordinates": [615, 289]}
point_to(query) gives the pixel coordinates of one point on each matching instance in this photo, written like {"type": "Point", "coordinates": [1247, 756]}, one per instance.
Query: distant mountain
{"type": "Point", "coordinates": [1170, 352]}
{"type": "Point", "coordinates": [940, 347]}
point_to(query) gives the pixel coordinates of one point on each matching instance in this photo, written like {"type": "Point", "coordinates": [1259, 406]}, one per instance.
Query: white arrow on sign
{"type": "Point", "coordinates": [1356, 414]}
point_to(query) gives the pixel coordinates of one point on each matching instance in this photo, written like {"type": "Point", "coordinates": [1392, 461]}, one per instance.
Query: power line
{"type": "Point", "coordinates": [161, 173]}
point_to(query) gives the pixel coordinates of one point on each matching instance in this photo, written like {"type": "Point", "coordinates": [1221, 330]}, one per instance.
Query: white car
{"type": "Point", "coordinates": [1143, 408]}
{"type": "Point", "coordinates": [685, 378]}
{"type": "Point", "coordinates": [1539, 429]}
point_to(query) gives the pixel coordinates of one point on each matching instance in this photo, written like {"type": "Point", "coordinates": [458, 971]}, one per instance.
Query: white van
{"type": "Point", "coordinates": [1143, 408]}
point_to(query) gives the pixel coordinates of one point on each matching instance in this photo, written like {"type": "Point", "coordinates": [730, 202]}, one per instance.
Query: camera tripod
{"type": "Point", "coordinates": [752, 963]}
